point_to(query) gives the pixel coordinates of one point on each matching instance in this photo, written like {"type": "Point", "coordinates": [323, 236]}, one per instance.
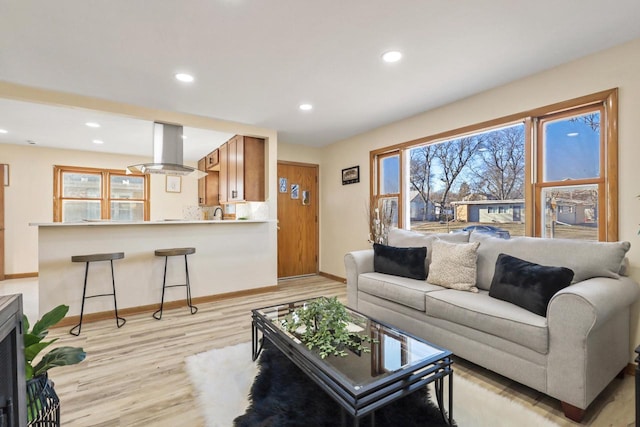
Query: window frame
{"type": "Point", "coordinates": [105, 190]}
{"type": "Point", "coordinates": [541, 184]}
{"type": "Point", "coordinates": [376, 183]}
{"type": "Point", "coordinates": [607, 100]}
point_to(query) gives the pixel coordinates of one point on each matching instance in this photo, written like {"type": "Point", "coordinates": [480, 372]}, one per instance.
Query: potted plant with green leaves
{"type": "Point", "coordinates": [40, 394]}
{"type": "Point", "coordinates": [324, 324]}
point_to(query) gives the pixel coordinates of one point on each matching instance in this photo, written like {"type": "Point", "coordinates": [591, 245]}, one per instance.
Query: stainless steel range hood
{"type": "Point", "coordinates": [167, 153]}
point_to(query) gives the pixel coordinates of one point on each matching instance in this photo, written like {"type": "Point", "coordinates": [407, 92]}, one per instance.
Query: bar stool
{"type": "Point", "coordinates": [166, 253]}
{"type": "Point", "coordinates": [94, 258]}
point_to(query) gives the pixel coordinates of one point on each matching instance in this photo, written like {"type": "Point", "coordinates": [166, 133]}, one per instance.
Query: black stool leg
{"type": "Point", "coordinates": [84, 292]}
{"type": "Point", "coordinates": [164, 281]}
{"type": "Point", "coordinates": [120, 321]}
{"type": "Point", "coordinates": [192, 307]}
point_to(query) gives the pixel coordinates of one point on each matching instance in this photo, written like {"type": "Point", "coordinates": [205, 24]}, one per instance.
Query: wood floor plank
{"type": "Point", "coordinates": [136, 376]}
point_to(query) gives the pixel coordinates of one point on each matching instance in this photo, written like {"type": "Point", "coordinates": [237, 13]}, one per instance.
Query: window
{"type": "Point", "coordinates": [458, 179]}
{"type": "Point", "coordinates": [95, 194]}
{"type": "Point", "coordinates": [554, 167]}
{"type": "Point", "coordinates": [570, 173]}
{"type": "Point", "coordinates": [385, 207]}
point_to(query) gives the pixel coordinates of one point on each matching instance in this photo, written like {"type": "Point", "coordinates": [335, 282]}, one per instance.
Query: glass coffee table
{"type": "Point", "coordinates": [361, 382]}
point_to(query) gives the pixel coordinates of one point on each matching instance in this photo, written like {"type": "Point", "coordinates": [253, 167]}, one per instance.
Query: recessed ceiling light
{"type": "Point", "coordinates": [3, 131]}
{"type": "Point", "coordinates": [391, 56]}
{"type": "Point", "coordinates": [183, 77]}
{"type": "Point", "coordinates": [92, 124]}
{"type": "Point", "coordinates": [98, 141]}
{"type": "Point", "coordinates": [306, 107]}
{"type": "Point", "coordinates": [573, 134]}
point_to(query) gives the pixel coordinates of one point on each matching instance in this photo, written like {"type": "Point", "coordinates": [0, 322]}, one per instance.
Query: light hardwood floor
{"type": "Point", "coordinates": [135, 376]}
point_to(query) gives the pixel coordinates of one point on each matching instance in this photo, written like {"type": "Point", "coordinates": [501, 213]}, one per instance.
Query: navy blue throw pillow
{"type": "Point", "coordinates": [405, 262]}
{"type": "Point", "coordinates": [526, 284]}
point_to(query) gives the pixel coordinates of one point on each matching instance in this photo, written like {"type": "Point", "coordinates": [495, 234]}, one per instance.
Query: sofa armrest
{"type": "Point", "coordinates": [356, 263]}
{"type": "Point", "coordinates": [588, 337]}
{"type": "Point", "coordinates": [599, 297]}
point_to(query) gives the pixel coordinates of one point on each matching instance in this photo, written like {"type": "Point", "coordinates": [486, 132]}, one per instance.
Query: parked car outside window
{"type": "Point", "coordinates": [489, 229]}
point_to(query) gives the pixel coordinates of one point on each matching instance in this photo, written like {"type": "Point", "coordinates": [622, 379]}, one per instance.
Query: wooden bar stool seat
{"type": "Point", "coordinates": [95, 258]}
{"type": "Point", "coordinates": [175, 251]}
{"type": "Point", "coordinates": [166, 253]}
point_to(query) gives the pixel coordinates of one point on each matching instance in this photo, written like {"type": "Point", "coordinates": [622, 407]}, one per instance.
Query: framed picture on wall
{"type": "Point", "coordinates": [351, 175]}
{"type": "Point", "coordinates": [173, 184]}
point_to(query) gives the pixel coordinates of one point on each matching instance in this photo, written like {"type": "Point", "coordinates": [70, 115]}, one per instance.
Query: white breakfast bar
{"type": "Point", "coordinates": [231, 256]}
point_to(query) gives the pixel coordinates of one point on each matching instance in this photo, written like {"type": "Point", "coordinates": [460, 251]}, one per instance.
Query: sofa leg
{"type": "Point", "coordinates": [620, 375]}
{"type": "Point", "coordinates": [572, 412]}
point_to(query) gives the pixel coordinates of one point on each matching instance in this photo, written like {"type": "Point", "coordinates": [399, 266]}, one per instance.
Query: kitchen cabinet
{"type": "Point", "coordinates": [242, 170]}
{"type": "Point", "coordinates": [213, 160]}
{"type": "Point", "coordinates": [208, 185]}
{"type": "Point", "coordinates": [223, 181]}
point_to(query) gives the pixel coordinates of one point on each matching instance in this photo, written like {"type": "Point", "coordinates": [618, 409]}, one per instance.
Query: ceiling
{"type": "Point", "coordinates": [256, 61]}
{"type": "Point", "coordinates": [52, 126]}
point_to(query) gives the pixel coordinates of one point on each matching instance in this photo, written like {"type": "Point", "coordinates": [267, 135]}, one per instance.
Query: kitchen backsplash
{"type": "Point", "coordinates": [249, 210]}
{"type": "Point", "coordinates": [194, 213]}
{"type": "Point", "coordinates": [252, 210]}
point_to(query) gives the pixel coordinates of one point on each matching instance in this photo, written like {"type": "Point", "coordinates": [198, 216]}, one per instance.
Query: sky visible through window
{"type": "Point", "coordinates": [572, 148]}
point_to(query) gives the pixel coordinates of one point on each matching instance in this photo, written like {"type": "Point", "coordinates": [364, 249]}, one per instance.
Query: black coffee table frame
{"type": "Point", "coordinates": [367, 398]}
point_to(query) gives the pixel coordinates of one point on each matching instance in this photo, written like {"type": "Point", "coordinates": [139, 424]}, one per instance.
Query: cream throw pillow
{"type": "Point", "coordinates": [453, 265]}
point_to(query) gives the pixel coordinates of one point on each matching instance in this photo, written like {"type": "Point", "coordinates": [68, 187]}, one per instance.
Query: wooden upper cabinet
{"type": "Point", "coordinates": [254, 169]}
{"type": "Point", "coordinates": [213, 160]}
{"type": "Point", "coordinates": [224, 172]}
{"type": "Point", "coordinates": [207, 186]}
{"type": "Point", "coordinates": [202, 182]}
{"type": "Point", "coordinates": [236, 169]}
{"type": "Point", "coordinates": [242, 167]}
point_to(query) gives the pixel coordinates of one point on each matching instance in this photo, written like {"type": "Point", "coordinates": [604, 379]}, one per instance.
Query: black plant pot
{"type": "Point", "coordinates": [43, 404]}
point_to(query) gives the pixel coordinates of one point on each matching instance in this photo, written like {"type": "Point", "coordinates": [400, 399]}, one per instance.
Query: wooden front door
{"type": "Point", "coordinates": [297, 219]}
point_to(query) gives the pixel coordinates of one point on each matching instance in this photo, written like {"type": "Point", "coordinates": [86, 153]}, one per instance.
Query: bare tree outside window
{"type": "Point", "coordinates": [485, 166]}
{"type": "Point", "coordinates": [500, 173]}
{"type": "Point", "coordinates": [420, 174]}
{"type": "Point", "coordinates": [454, 157]}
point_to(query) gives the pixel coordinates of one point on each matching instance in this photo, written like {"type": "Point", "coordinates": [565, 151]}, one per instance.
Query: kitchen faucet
{"type": "Point", "coordinates": [215, 211]}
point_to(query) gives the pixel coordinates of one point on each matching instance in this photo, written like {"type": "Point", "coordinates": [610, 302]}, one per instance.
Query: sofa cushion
{"type": "Point", "coordinates": [401, 290]}
{"type": "Point", "coordinates": [405, 238]}
{"type": "Point", "coordinates": [493, 316]}
{"type": "Point", "coordinates": [587, 259]}
{"type": "Point", "coordinates": [405, 262]}
{"type": "Point", "coordinates": [453, 265]}
{"type": "Point", "coordinates": [527, 284]}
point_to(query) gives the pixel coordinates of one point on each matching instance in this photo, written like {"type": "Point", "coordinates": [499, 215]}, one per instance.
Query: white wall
{"type": "Point", "coordinates": [299, 153]}
{"type": "Point", "coordinates": [29, 198]}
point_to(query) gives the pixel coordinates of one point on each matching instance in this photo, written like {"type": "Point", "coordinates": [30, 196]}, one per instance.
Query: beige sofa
{"type": "Point", "coordinates": [572, 354]}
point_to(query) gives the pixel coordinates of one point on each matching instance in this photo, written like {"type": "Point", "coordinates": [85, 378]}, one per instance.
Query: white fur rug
{"type": "Point", "coordinates": [222, 378]}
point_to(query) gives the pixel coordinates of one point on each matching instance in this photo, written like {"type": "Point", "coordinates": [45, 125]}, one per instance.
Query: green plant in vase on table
{"type": "Point", "coordinates": [324, 324]}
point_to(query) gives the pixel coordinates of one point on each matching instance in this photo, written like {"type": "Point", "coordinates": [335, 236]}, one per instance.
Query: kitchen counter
{"type": "Point", "coordinates": [157, 222]}
{"type": "Point", "coordinates": [231, 256]}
